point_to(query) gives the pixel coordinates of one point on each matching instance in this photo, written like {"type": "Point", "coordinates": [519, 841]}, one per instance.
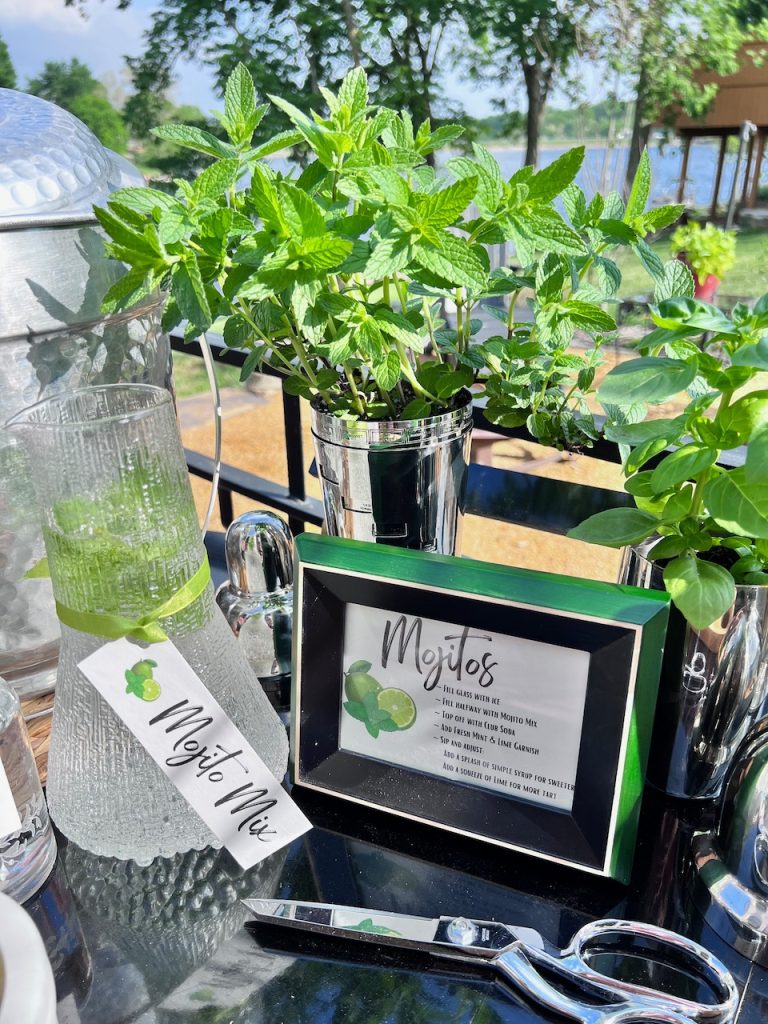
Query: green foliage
{"type": "Point", "coordinates": [711, 522]}
{"type": "Point", "coordinates": [104, 121]}
{"type": "Point", "coordinates": [7, 70]}
{"type": "Point", "coordinates": [337, 277]}
{"type": "Point", "coordinates": [72, 86]}
{"type": "Point", "coordinates": [708, 250]}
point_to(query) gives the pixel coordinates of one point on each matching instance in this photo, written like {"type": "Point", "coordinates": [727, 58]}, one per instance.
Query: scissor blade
{"type": "Point", "coordinates": [437, 934]}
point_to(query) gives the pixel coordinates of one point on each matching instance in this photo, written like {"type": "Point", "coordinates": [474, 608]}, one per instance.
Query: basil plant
{"type": "Point", "coordinates": [338, 273]}
{"type": "Point", "coordinates": [708, 520]}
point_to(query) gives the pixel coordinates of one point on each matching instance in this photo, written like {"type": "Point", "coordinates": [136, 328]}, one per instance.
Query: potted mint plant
{"type": "Point", "coordinates": [336, 277]}
{"type": "Point", "coordinates": [709, 251]}
{"type": "Point", "coordinates": [699, 527]}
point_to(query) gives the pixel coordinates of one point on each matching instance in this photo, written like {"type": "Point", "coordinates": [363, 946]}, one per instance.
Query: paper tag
{"type": "Point", "coordinates": [195, 743]}
{"type": "Point", "coordinates": [10, 821]}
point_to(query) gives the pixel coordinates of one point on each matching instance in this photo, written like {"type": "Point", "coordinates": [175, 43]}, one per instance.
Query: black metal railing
{"type": "Point", "coordinates": [524, 499]}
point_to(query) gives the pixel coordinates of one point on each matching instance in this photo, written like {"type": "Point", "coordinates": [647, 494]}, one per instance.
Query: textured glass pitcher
{"type": "Point", "coordinates": [122, 537]}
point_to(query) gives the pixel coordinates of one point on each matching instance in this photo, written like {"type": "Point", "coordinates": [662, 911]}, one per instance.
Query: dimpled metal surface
{"type": "Point", "coordinates": [49, 160]}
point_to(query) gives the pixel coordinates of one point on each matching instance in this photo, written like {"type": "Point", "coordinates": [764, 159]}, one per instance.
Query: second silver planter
{"type": "Point", "coordinates": [714, 687]}
{"type": "Point", "coordinates": [399, 482]}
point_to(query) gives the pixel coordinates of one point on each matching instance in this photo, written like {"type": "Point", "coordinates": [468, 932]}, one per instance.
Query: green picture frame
{"type": "Point", "coordinates": [603, 641]}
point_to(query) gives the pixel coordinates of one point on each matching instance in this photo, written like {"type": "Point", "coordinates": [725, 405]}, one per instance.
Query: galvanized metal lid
{"type": "Point", "coordinates": [53, 269]}
{"type": "Point", "coordinates": [51, 163]}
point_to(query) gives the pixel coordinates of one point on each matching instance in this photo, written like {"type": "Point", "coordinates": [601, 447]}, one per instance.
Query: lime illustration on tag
{"type": "Point", "coordinates": [141, 682]}
{"type": "Point", "coordinates": [379, 708]}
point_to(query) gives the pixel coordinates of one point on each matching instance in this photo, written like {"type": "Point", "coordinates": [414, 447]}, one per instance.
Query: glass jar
{"type": "Point", "coordinates": [122, 537]}
{"type": "Point", "coordinates": [27, 844]}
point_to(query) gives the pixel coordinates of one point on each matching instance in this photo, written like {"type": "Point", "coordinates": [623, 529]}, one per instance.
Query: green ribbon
{"type": "Point", "coordinates": [145, 628]}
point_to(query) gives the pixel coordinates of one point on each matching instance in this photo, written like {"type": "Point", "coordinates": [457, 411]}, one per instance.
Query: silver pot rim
{"type": "Point", "coordinates": [644, 546]}
{"type": "Point", "coordinates": [401, 434]}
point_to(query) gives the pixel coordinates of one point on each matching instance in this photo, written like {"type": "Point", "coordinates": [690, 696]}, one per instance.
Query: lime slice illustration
{"type": "Point", "coordinates": [150, 690]}
{"type": "Point", "coordinates": [358, 685]}
{"type": "Point", "coordinates": [400, 706]}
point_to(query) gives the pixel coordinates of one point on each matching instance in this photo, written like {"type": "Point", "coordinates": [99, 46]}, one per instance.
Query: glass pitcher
{"type": "Point", "coordinates": [122, 537]}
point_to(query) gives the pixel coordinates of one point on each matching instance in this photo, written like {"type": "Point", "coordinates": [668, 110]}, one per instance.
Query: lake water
{"type": "Point", "coordinates": [598, 175]}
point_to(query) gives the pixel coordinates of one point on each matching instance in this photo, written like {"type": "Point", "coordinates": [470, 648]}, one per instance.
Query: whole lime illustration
{"type": "Point", "coordinates": [399, 705]}
{"type": "Point", "coordinates": [140, 681]}
{"type": "Point", "coordinates": [357, 686]}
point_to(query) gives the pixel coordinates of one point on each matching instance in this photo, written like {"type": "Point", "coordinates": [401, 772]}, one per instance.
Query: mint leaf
{"type": "Point", "coordinates": [662, 216]}
{"type": "Point", "coordinates": [216, 179]}
{"type": "Point", "coordinates": [241, 114]}
{"type": "Point", "coordinates": [641, 188]}
{"type": "Point", "coordinates": [417, 409]}
{"type": "Point", "coordinates": [356, 710]}
{"type": "Point", "coordinates": [548, 230]}
{"type": "Point", "coordinates": [127, 291]}
{"type": "Point", "coordinates": [589, 316]}
{"type": "Point", "coordinates": [608, 275]}
{"type": "Point", "coordinates": [444, 207]}
{"type": "Point", "coordinates": [390, 255]}
{"type": "Point", "coordinates": [283, 140]}
{"type": "Point", "coordinates": [550, 181]}
{"type": "Point", "coordinates": [650, 260]}
{"type": "Point", "coordinates": [194, 138]}
{"type": "Point", "coordinates": [354, 91]}
{"type": "Point", "coordinates": [490, 184]}
{"type": "Point", "coordinates": [676, 280]}
{"type": "Point", "coordinates": [189, 293]}
{"type": "Point", "coordinates": [454, 260]}
{"type": "Point", "coordinates": [387, 371]}
{"type": "Point", "coordinates": [302, 214]}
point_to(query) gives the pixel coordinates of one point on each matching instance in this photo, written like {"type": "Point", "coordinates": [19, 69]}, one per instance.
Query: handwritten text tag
{"type": "Point", "coordinates": [195, 743]}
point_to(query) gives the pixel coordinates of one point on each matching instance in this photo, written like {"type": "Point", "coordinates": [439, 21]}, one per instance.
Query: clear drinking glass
{"type": "Point", "coordinates": [28, 853]}
{"type": "Point", "coordinates": [122, 536]}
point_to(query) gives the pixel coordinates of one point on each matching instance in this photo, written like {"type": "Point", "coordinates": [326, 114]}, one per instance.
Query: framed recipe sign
{"type": "Point", "coordinates": [504, 704]}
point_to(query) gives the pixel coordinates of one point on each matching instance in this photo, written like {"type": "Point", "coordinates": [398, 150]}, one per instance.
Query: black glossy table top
{"type": "Point", "coordinates": [168, 944]}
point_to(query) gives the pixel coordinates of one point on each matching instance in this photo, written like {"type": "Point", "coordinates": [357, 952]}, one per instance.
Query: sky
{"type": "Point", "coordinates": [37, 31]}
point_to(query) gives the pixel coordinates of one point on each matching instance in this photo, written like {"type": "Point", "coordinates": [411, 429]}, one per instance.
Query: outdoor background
{"type": "Point", "coordinates": [528, 78]}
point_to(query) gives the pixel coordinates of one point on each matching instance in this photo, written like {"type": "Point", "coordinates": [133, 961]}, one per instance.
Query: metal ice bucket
{"type": "Point", "coordinates": [53, 336]}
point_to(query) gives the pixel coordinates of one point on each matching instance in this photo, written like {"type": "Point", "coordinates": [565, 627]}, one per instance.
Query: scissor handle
{"type": "Point", "coordinates": [514, 964]}
{"type": "Point", "coordinates": [704, 963]}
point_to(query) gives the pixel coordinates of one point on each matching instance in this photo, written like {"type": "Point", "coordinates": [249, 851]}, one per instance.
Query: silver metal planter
{"type": "Point", "coordinates": [399, 482]}
{"type": "Point", "coordinates": [714, 687]}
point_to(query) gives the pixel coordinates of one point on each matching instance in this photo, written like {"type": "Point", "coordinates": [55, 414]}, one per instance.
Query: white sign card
{"type": "Point", "coordinates": [466, 704]}
{"type": "Point", "coordinates": [195, 743]}
{"type": "Point", "coordinates": [10, 821]}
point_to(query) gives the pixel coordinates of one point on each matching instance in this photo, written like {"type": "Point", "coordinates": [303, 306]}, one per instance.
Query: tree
{"type": "Point", "coordinates": [61, 82]}
{"type": "Point", "coordinates": [533, 39]}
{"type": "Point", "coordinates": [73, 87]}
{"type": "Point", "coordinates": [299, 47]}
{"type": "Point", "coordinates": [7, 70]}
{"type": "Point", "coordinates": [659, 45]}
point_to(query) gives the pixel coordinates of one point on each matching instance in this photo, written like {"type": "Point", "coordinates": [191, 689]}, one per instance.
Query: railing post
{"type": "Point", "coordinates": [294, 454]}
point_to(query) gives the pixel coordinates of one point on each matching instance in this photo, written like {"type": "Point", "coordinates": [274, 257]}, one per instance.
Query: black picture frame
{"type": "Point", "coordinates": [622, 633]}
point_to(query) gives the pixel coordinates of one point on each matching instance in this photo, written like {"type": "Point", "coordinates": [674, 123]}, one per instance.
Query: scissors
{"type": "Point", "coordinates": [518, 953]}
